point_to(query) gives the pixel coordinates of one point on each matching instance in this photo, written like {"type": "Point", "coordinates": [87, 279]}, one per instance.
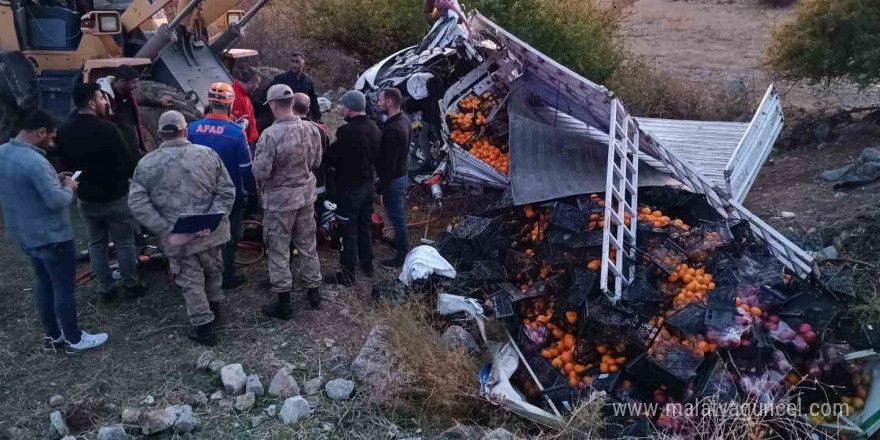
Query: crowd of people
{"type": "Point", "coordinates": [215, 165]}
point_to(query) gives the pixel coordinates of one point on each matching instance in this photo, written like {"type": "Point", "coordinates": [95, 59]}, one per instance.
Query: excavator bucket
{"type": "Point", "coordinates": [190, 66]}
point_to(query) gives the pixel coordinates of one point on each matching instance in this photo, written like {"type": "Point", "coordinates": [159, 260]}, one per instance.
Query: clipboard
{"type": "Point", "coordinates": [192, 223]}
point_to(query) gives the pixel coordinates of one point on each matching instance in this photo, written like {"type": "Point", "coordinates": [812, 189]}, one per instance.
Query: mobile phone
{"type": "Point", "coordinates": [76, 175]}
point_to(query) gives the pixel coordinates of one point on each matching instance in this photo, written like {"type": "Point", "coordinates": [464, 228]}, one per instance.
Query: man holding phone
{"type": "Point", "coordinates": [177, 179]}
{"type": "Point", "coordinates": [96, 147]}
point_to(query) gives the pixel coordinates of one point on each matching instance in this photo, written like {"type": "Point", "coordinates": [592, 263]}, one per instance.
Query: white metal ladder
{"type": "Point", "coordinates": [621, 197]}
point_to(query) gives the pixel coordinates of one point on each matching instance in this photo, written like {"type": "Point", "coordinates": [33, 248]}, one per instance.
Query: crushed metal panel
{"type": "Point", "coordinates": [755, 145]}
{"type": "Point", "coordinates": [705, 145]}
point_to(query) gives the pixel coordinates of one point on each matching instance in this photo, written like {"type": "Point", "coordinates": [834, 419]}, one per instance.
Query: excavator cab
{"type": "Point", "coordinates": [41, 27]}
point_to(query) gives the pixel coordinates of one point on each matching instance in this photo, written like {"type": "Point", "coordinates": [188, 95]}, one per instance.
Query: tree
{"type": "Point", "coordinates": [829, 41]}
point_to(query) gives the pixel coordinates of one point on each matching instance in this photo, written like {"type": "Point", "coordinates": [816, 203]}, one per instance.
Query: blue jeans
{"type": "Point", "coordinates": [354, 215]}
{"type": "Point", "coordinates": [105, 222]}
{"type": "Point", "coordinates": [54, 285]}
{"type": "Point", "coordinates": [394, 199]}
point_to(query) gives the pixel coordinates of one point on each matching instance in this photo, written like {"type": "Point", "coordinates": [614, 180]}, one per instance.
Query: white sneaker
{"type": "Point", "coordinates": [52, 345]}
{"type": "Point", "coordinates": [87, 342]}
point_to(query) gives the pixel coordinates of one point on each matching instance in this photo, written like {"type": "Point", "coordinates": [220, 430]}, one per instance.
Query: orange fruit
{"type": "Point", "coordinates": [568, 368]}
{"type": "Point", "coordinates": [546, 354]}
{"type": "Point", "coordinates": [601, 349]}
{"type": "Point", "coordinates": [580, 368]}
{"type": "Point", "coordinates": [603, 368]}
{"type": "Point", "coordinates": [703, 346]}
{"type": "Point", "coordinates": [613, 369]}
{"type": "Point", "coordinates": [566, 357]}
{"type": "Point", "coordinates": [558, 334]}
{"type": "Point", "coordinates": [755, 311]}
{"type": "Point", "coordinates": [571, 317]}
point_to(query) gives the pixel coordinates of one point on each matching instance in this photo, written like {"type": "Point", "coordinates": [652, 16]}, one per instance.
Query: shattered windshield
{"type": "Point", "coordinates": [111, 5]}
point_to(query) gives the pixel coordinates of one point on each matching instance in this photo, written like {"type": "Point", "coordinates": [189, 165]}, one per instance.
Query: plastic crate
{"type": "Point", "coordinates": [689, 320]}
{"type": "Point", "coordinates": [771, 298]}
{"type": "Point", "coordinates": [841, 282]}
{"type": "Point", "coordinates": [544, 372]}
{"type": "Point", "coordinates": [757, 356]}
{"type": "Point", "coordinates": [760, 269]}
{"type": "Point", "coordinates": [721, 307]}
{"type": "Point", "coordinates": [485, 271]}
{"type": "Point", "coordinates": [717, 384]}
{"type": "Point", "coordinates": [678, 368]}
{"type": "Point", "coordinates": [519, 264]}
{"type": "Point", "coordinates": [567, 217]}
{"type": "Point", "coordinates": [502, 304]}
{"type": "Point", "coordinates": [668, 257]}
{"type": "Point", "coordinates": [804, 307]}
{"type": "Point", "coordinates": [504, 202]}
{"type": "Point", "coordinates": [648, 236]}
{"type": "Point", "coordinates": [641, 293]}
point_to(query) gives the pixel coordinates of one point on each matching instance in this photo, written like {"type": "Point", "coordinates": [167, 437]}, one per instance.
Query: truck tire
{"type": "Point", "coordinates": [151, 91]}
{"type": "Point", "coordinates": [10, 116]}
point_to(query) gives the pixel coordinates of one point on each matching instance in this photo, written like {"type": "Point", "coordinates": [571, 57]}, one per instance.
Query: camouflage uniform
{"type": "Point", "coordinates": [183, 178]}
{"type": "Point", "coordinates": [285, 155]}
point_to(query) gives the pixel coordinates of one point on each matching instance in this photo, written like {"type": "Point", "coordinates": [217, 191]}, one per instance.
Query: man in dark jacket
{"type": "Point", "coordinates": [351, 158]}
{"type": "Point", "coordinates": [392, 170]}
{"type": "Point", "coordinates": [94, 146]}
{"type": "Point", "coordinates": [300, 82]}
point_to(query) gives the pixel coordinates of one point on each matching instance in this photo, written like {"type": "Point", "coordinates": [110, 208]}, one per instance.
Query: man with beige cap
{"type": "Point", "coordinates": [181, 178]}
{"type": "Point", "coordinates": [286, 154]}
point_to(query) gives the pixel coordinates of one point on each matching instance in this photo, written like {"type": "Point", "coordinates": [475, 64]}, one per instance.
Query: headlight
{"type": "Point", "coordinates": [108, 24]}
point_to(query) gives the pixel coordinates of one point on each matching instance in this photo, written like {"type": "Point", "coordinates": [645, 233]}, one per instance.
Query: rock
{"type": "Point", "coordinates": [325, 104]}
{"type": "Point", "coordinates": [199, 399]}
{"type": "Point", "coordinates": [115, 432]}
{"type": "Point", "coordinates": [233, 378]}
{"type": "Point", "coordinates": [294, 410]}
{"type": "Point", "coordinates": [283, 385]}
{"type": "Point", "coordinates": [58, 428]}
{"type": "Point", "coordinates": [205, 359]}
{"type": "Point", "coordinates": [271, 410]}
{"type": "Point", "coordinates": [255, 386]}
{"type": "Point", "coordinates": [461, 432]}
{"type": "Point", "coordinates": [313, 386]}
{"type": "Point", "coordinates": [786, 214]}
{"type": "Point", "coordinates": [258, 420]}
{"type": "Point", "coordinates": [217, 395]}
{"type": "Point", "coordinates": [329, 343]}
{"type": "Point", "coordinates": [326, 427]}
{"type": "Point", "coordinates": [130, 416]}
{"type": "Point", "coordinates": [216, 365]}
{"type": "Point", "coordinates": [829, 252]}
{"type": "Point", "coordinates": [156, 421]}
{"type": "Point", "coordinates": [339, 389]}
{"type": "Point", "coordinates": [375, 361]}
{"type": "Point", "coordinates": [149, 400]}
{"type": "Point", "coordinates": [56, 401]}
{"type": "Point", "coordinates": [338, 371]}
{"type": "Point", "coordinates": [499, 434]}
{"type": "Point", "coordinates": [458, 337]}
{"type": "Point", "coordinates": [186, 422]}
{"type": "Point", "coordinates": [226, 404]}
{"type": "Point", "coordinates": [820, 132]}
{"type": "Point", "coordinates": [245, 402]}
{"type": "Point", "coordinates": [69, 437]}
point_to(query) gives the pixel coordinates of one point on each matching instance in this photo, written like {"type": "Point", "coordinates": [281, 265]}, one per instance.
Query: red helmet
{"type": "Point", "coordinates": [221, 93]}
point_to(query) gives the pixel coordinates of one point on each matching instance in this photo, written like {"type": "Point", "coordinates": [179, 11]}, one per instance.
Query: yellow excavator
{"type": "Point", "coordinates": [48, 46]}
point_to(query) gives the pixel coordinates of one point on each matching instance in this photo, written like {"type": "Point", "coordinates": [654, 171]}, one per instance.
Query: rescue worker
{"type": "Point", "coordinates": [352, 157]}
{"type": "Point", "coordinates": [183, 178]}
{"type": "Point", "coordinates": [120, 90]}
{"type": "Point", "coordinates": [36, 206]}
{"type": "Point", "coordinates": [95, 146]}
{"type": "Point", "coordinates": [242, 107]}
{"type": "Point", "coordinates": [300, 82]}
{"type": "Point", "coordinates": [392, 170]}
{"type": "Point", "coordinates": [287, 152]}
{"type": "Point", "coordinates": [219, 133]}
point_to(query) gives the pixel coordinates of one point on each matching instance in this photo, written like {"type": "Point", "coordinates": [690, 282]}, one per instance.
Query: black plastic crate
{"type": "Point", "coordinates": [717, 384]}
{"type": "Point", "coordinates": [757, 356]}
{"type": "Point", "coordinates": [472, 227]}
{"type": "Point", "coordinates": [645, 330]}
{"type": "Point", "coordinates": [721, 307]}
{"type": "Point", "coordinates": [484, 271]}
{"type": "Point", "coordinates": [599, 312]}
{"type": "Point", "coordinates": [568, 218]}
{"type": "Point", "coordinates": [648, 236]}
{"type": "Point", "coordinates": [668, 257]}
{"type": "Point", "coordinates": [502, 304]}
{"type": "Point", "coordinates": [805, 307]}
{"type": "Point", "coordinates": [606, 382]}
{"type": "Point", "coordinates": [841, 282]}
{"type": "Point", "coordinates": [689, 320]}
{"type": "Point", "coordinates": [519, 264]}
{"type": "Point", "coordinates": [677, 369]}
{"type": "Point", "coordinates": [544, 372]}
{"type": "Point", "coordinates": [504, 202]}
{"type": "Point", "coordinates": [641, 293]}
{"type": "Point", "coordinates": [588, 205]}
{"type": "Point", "coordinates": [771, 297]}
{"type": "Point", "coordinates": [544, 287]}
{"type": "Point", "coordinates": [760, 269]}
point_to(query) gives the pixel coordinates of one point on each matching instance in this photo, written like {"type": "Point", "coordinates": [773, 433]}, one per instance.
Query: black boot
{"type": "Point", "coordinates": [314, 297]}
{"type": "Point", "coordinates": [279, 309]}
{"type": "Point", "coordinates": [234, 282]}
{"type": "Point", "coordinates": [203, 334]}
{"type": "Point", "coordinates": [219, 313]}
{"type": "Point", "coordinates": [368, 270]}
{"type": "Point", "coordinates": [136, 291]}
{"type": "Point", "coordinates": [345, 277]}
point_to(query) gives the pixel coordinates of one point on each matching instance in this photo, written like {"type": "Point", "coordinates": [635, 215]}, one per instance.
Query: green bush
{"type": "Point", "coordinates": [371, 29]}
{"type": "Point", "coordinates": [829, 40]}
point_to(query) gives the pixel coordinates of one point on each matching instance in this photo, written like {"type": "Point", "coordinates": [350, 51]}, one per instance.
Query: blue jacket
{"type": "Point", "coordinates": [36, 208]}
{"type": "Point", "coordinates": [229, 141]}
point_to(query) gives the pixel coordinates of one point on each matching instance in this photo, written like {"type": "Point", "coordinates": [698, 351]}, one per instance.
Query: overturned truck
{"type": "Point", "coordinates": [617, 253]}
